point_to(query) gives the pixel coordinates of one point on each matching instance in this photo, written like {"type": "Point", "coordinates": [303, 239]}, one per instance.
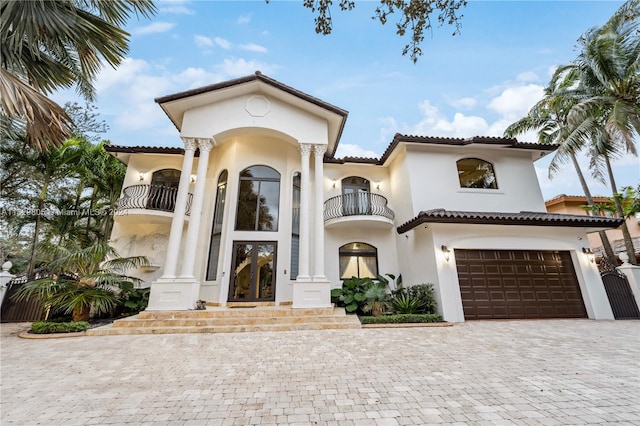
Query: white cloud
{"type": "Point", "coordinates": [202, 41]}
{"type": "Point", "coordinates": [244, 20]}
{"type": "Point", "coordinates": [514, 102]}
{"type": "Point", "coordinates": [465, 103]}
{"type": "Point", "coordinates": [351, 150]}
{"type": "Point", "coordinates": [254, 48]}
{"type": "Point", "coordinates": [156, 27]}
{"type": "Point", "coordinates": [527, 77]}
{"type": "Point", "coordinates": [225, 44]}
{"type": "Point", "coordinates": [176, 8]}
{"type": "Point", "coordinates": [241, 67]}
{"type": "Point", "coordinates": [123, 75]}
{"type": "Point", "coordinates": [197, 77]}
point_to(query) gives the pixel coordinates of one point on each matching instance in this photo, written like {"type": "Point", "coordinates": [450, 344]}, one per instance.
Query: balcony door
{"type": "Point", "coordinates": [254, 267]}
{"type": "Point", "coordinates": [163, 190]}
{"type": "Point", "coordinates": [356, 198]}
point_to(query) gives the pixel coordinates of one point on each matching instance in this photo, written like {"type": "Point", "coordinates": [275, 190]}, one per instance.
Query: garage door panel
{"type": "Point", "coordinates": [518, 284]}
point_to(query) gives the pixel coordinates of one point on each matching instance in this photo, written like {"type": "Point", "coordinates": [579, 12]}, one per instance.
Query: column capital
{"type": "Point", "coordinates": [206, 144]}
{"type": "Point", "coordinates": [319, 150]}
{"type": "Point", "coordinates": [305, 149]}
{"type": "Point", "coordinates": [190, 143]}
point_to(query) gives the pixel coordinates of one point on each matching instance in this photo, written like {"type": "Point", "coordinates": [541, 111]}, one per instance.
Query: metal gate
{"type": "Point", "coordinates": [22, 311]}
{"type": "Point", "coordinates": [623, 304]}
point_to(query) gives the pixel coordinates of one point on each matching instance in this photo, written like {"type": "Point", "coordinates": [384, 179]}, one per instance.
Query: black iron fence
{"type": "Point", "coordinates": [366, 204]}
{"type": "Point", "coordinates": [152, 197]}
{"type": "Point", "coordinates": [621, 299]}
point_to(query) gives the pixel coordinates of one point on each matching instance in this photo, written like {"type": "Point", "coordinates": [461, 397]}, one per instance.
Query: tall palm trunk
{"type": "Point", "coordinates": [606, 244]}
{"type": "Point", "coordinates": [36, 230]}
{"type": "Point", "coordinates": [628, 242]}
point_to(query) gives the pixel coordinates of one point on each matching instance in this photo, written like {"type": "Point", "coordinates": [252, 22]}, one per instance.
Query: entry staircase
{"type": "Point", "coordinates": [230, 320]}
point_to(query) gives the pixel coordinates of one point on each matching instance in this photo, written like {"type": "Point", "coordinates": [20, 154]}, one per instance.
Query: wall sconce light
{"type": "Point", "coordinates": [589, 253]}
{"type": "Point", "coordinates": [378, 185]}
{"type": "Point", "coordinates": [446, 251]}
{"type": "Point", "coordinates": [141, 176]}
{"type": "Point", "coordinates": [334, 184]}
{"type": "Point", "coordinates": [193, 178]}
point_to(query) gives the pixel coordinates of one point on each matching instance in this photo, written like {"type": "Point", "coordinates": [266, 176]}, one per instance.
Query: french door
{"type": "Point", "coordinates": [253, 267]}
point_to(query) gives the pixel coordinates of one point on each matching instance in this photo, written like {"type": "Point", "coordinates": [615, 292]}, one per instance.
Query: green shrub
{"type": "Point", "coordinates": [132, 300]}
{"type": "Point", "coordinates": [402, 319]}
{"type": "Point", "coordinates": [48, 327]}
{"type": "Point", "coordinates": [424, 293]}
{"type": "Point", "coordinates": [403, 303]}
{"type": "Point", "coordinates": [352, 294]}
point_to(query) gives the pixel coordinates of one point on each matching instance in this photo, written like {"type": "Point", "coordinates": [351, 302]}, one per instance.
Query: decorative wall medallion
{"type": "Point", "coordinates": [258, 106]}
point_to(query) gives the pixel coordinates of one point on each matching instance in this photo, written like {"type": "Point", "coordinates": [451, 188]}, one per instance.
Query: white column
{"type": "Point", "coordinates": [189, 257]}
{"type": "Point", "coordinates": [303, 260]}
{"type": "Point", "coordinates": [318, 210]}
{"type": "Point", "coordinates": [177, 224]}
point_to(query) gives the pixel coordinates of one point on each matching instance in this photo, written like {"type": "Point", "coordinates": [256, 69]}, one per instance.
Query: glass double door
{"type": "Point", "coordinates": [254, 271]}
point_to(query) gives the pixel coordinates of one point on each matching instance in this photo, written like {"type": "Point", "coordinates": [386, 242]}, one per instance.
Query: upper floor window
{"type": "Point", "coordinates": [356, 198]}
{"type": "Point", "coordinates": [358, 260]}
{"type": "Point", "coordinates": [258, 199]}
{"type": "Point", "coordinates": [476, 173]}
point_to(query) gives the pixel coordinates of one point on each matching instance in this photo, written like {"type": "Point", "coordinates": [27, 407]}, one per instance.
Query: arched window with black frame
{"type": "Point", "coordinates": [476, 173]}
{"type": "Point", "coordinates": [258, 199]}
{"type": "Point", "coordinates": [358, 260]}
{"type": "Point", "coordinates": [163, 190]}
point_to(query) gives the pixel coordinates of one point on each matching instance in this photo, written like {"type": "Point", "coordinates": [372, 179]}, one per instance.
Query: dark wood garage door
{"type": "Point", "coordinates": [518, 284]}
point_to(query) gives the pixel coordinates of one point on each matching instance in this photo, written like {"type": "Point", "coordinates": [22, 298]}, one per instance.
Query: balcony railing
{"type": "Point", "coordinates": [151, 197]}
{"type": "Point", "coordinates": [366, 204]}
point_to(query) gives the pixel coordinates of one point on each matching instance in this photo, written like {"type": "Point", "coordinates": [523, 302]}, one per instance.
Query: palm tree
{"type": "Point", "coordinates": [549, 117]}
{"type": "Point", "coordinates": [49, 45]}
{"type": "Point", "coordinates": [606, 115]}
{"type": "Point", "coordinates": [80, 279]}
{"type": "Point", "coordinates": [46, 166]}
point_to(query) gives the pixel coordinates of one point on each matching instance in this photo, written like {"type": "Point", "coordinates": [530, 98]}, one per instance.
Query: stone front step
{"type": "Point", "coordinates": [230, 320]}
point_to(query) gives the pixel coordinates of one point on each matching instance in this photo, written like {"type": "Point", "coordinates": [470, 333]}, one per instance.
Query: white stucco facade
{"type": "Point", "coordinates": [253, 207]}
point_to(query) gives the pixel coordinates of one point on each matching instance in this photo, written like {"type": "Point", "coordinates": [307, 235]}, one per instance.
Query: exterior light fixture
{"type": "Point", "coordinates": [378, 185]}
{"type": "Point", "coordinates": [589, 253]}
{"type": "Point", "coordinates": [446, 251]}
{"type": "Point", "coordinates": [193, 178]}
{"type": "Point", "coordinates": [334, 184]}
{"type": "Point", "coordinates": [141, 176]}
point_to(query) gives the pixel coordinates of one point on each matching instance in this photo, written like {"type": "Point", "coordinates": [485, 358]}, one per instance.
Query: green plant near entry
{"type": "Point", "coordinates": [403, 303]}
{"type": "Point", "coordinates": [352, 294]}
{"type": "Point", "coordinates": [49, 327]}
{"type": "Point", "coordinates": [422, 293]}
{"type": "Point", "coordinates": [397, 282]}
{"type": "Point", "coordinates": [133, 300]}
{"type": "Point", "coordinates": [401, 319]}
{"type": "Point", "coordinates": [376, 299]}
{"type": "Point", "coordinates": [81, 280]}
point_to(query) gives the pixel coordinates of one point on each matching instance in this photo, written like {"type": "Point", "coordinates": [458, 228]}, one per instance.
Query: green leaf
{"type": "Point", "coordinates": [359, 297]}
{"type": "Point", "coordinates": [348, 299]}
{"type": "Point", "coordinates": [351, 308]}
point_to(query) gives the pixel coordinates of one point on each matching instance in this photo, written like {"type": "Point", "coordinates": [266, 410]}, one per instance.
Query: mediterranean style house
{"type": "Point", "coordinates": [256, 209]}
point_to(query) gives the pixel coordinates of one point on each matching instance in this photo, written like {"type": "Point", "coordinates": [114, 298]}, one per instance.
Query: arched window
{"type": "Point", "coordinates": [163, 190]}
{"type": "Point", "coordinates": [295, 226]}
{"type": "Point", "coordinates": [356, 198]}
{"type": "Point", "coordinates": [258, 199]}
{"type": "Point", "coordinates": [216, 229]}
{"type": "Point", "coordinates": [358, 260]}
{"type": "Point", "coordinates": [476, 173]}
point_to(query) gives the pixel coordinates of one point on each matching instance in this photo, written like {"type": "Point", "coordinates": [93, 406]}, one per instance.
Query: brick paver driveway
{"type": "Point", "coordinates": [497, 372]}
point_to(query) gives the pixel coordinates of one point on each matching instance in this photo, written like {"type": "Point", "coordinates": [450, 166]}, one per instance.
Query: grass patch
{"type": "Point", "coordinates": [402, 319]}
{"type": "Point", "coordinates": [50, 327]}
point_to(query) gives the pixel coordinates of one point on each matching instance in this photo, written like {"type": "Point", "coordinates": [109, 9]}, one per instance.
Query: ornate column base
{"type": "Point", "coordinates": [173, 294]}
{"type": "Point", "coordinates": [311, 294]}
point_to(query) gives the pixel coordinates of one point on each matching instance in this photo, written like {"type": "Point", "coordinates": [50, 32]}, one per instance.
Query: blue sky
{"type": "Point", "coordinates": [475, 83]}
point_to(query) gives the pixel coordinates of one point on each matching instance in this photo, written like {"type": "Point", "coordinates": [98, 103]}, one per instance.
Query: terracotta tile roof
{"type": "Point", "coordinates": [143, 149]}
{"type": "Point", "coordinates": [487, 140]}
{"type": "Point", "coordinates": [579, 198]}
{"type": "Point", "coordinates": [496, 218]}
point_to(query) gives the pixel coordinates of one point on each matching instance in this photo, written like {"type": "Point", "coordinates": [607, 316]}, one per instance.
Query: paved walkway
{"type": "Point", "coordinates": [561, 372]}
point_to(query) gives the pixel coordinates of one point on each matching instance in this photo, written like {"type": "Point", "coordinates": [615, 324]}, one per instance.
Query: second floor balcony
{"type": "Point", "coordinates": [362, 207]}
{"type": "Point", "coordinates": [145, 199]}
